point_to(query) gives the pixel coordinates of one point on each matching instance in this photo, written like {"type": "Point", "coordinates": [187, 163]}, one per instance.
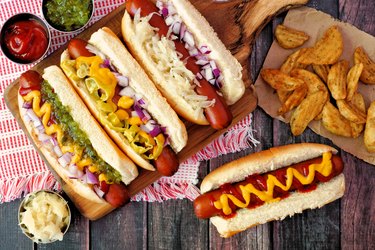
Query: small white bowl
{"type": "Point", "coordinates": [27, 202]}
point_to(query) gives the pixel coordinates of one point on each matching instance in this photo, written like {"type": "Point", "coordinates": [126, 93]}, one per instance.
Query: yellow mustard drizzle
{"type": "Point", "coordinates": [44, 112]}
{"type": "Point", "coordinates": [324, 168]}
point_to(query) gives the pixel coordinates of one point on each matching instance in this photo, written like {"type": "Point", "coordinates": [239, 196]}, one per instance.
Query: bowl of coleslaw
{"type": "Point", "coordinates": [44, 216]}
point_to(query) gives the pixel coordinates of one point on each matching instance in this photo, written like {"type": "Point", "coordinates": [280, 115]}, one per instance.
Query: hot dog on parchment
{"type": "Point", "coordinates": [270, 185]}
{"type": "Point", "coordinates": [72, 141]}
{"type": "Point", "coordinates": [125, 101]}
{"type": "Point", "coordinates": [184, 57]}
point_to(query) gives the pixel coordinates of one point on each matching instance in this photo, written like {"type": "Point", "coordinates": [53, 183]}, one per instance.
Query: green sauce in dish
{"type": "Point", "coordinates": [68, 15]}
{"type": "Point", "coordinates": [73, 133]}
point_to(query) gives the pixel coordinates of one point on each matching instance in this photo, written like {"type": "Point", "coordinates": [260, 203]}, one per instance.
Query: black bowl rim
{"type": "Point", "coordinates": [13, 19]}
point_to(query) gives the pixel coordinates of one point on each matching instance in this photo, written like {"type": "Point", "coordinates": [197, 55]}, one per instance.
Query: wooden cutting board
{"type": "Point", "coordinates": [237, 23]}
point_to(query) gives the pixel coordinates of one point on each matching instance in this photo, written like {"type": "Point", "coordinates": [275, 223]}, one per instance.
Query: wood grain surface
{"type": "Point", "coordinates": [348, 223]}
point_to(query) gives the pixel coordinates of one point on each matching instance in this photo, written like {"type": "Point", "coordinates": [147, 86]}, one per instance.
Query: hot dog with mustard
{"type": "Point", "coordinates": [125, 101]}
{"type": "Point", "coordinates": [182, 54]}
{"type": "Point", "coordinates": [270, 185]}
{"type": "Point", "coordinates": [71, 140]}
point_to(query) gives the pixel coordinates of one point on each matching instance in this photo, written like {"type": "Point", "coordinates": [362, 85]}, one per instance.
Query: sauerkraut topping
{"type": "Point", "coordinates": [168, 61]}
{"type": "Point", "coordinates": [44, 217]}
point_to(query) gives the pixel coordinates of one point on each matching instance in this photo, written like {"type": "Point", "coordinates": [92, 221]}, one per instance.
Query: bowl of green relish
{"type": "Point", "coordinates": [68, 15]}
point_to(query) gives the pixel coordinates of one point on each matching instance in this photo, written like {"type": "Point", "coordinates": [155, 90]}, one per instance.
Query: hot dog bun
{"type": "Point", "coordinates": [100, 141]}
{"type": "Point", "coordinates": [110, 45]}
{"type": "Point", "coordinates": [176, 89]}
{"type": "Point", "coordinates": [102, 144]}
{"type": "Point", "coordinates": [263, 162]}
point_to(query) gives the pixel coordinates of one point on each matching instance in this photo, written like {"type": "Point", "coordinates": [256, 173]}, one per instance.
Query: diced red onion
{"type": "Point", "coordinates": [98, 191]}
{"type": "Point", "coordinates": [57, 151]}
{"type": "Point", "coordinates": [216, 72]}
{"type": "Point", "coordinates": [127, 91]}
{"type": "Point", "coordinates": [33, 117]}
{"type": "Point", "coordinates": [54, 141]}
{"type": "Point", "coordinates": [139, 112]}
{"type": "Point", "coordinates": [138, 97]}
{"type": "Point", "coordinates": [141, 102]}
{"type": "Point", "coordinates": [182, 31]}
{"type": "Point", "coordinates": [123, 81]}
{"type": "Point", "coordinates": [199, 76]}
{"type": "Point", "coordinates": [193, 52]}
{"type": "Point", "coordinates": [176, 28]}
{"type": "Point", "coordinates": [204, 50]}
{"type": "Point", "coordinates": [213, 64]}
{"type": "Point", "coordinates": [84, 178]}
{"type": "Point", "coordinates": [169, 20]}
{"type": "Point", "coordinates": [201, 62]}
{"type": "Point", "coordinates": [189, 39]}
{"type": "Point", "coordinates": [146, 117]}
{"type": "Point", "coordinates": [73, 170]}
{"type": "Point", "coordinates": [65, 159]}
{"type": "Point", "coordinates": [27, 105]}
{"type": "Point", "coordinates": [159, 4]}
{"type": "Point", "coordinates": [155, 131]}
{"type": "Point", "coordinates": [164, 11]}
{"type": "Point", "coordinates": [43, 137]}
{"type": "Point", "coordinates": [208, 74]}
{"type": "Point", "coordinates": [91, 178]}
{"type": "Point", "coordinates": [212, 81]}
{"type": "Point", "coordinates": [41, 128]}
{"type": "Point", "coordinates": [145, 128]}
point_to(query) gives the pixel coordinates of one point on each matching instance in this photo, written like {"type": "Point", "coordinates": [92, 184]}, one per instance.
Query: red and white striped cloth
{"type": "Point", "coordinates": [22, 170]}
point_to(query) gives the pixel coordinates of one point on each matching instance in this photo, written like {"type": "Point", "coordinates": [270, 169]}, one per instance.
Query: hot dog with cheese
{"type": "Point", "coordinates": [270, 185]}
{"type": "Point", "coordinates": [182, 54]}
{"type": "Point", "coordinates": [124, 100]}
{"type": "Point", "coordinates": [73, 143]}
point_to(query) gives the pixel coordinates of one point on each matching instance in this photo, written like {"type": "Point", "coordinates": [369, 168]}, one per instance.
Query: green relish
{"type": "Point", "coordinates": [73, 134]}
{"type": "Point", "coordinates": [68, 15]}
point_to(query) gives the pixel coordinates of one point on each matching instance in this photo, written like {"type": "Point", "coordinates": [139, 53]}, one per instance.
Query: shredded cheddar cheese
{"type": "Point", "coordinates": [324, 168]}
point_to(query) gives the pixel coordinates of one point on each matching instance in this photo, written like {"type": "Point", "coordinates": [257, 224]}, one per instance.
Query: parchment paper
{"type": "Point", "coordinates": [314, 23]}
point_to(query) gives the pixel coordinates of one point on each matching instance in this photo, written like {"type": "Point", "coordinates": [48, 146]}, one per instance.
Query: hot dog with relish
{"type": "Point", "coordinates": [73, 143]}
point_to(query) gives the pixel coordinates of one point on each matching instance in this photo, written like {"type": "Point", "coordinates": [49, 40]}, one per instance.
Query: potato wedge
{"type": "Point", "coordinates": [312, 81]}
{"type": "Point", "coordinates": [309, 108]}
{"type": "Point", "coordinates": [321, 71]}
{"type": "Point", "coordinates": [369, 137]}
{"type": "Point", "coordinates": [368, 72]}
{"type": "Point", "coordinates": [293, 100]}
{"type": "Point", "coordinates": [358, 102]}
{"type": "Point", "coordinates": [327, 50]}
{"type": "Point", "coordinates": [352, 80]}
{"type": "Point", "coordinates": [279, 80]}
{"type": "Point", "coordinates": [291, 62]}
{"type": "Point", "coordinates": [289, 38]}
{"type": "Point", "coordinates": [336, 80]}
{"type": "Point", "coordinates": [283, 95]}
{"type": "Point", "coordinates": [350, 112]}
{"type": "Point", "coordinates": [334, 122]}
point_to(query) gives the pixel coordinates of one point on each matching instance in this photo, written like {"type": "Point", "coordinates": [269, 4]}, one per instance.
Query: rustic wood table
{"type": "Point", "coordinates": [347, 223]}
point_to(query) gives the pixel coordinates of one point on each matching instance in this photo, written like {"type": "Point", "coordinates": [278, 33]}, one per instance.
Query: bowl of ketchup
{"type": "Point", "coordinates": [25, 38]}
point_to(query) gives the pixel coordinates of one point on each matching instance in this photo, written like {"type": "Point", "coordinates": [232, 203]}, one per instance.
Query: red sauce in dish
{"type": "Point", "coordinates": [26, 40]}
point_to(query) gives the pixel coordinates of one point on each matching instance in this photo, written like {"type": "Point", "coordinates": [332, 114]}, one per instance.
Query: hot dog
{"type": "Point", "coordinates": [185, 58]}
{"type": "Point", "coordinates": [270, 185]}
{"type": "Point", "coordinates": [124, 100]}
{"type": "Point", "coordinates": [73, 143]}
